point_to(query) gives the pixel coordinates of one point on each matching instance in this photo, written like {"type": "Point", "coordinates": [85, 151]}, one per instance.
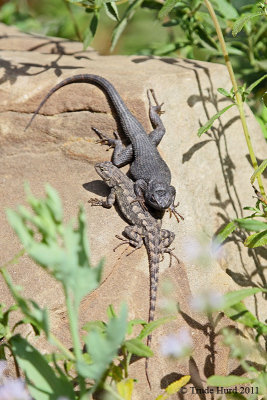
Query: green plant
{"type": "Point", "coordinates": [102, 361]}
{"type": "Point", "coordinates": [63, 252]}
{"type": "Point", "coordinates": [242, 348]}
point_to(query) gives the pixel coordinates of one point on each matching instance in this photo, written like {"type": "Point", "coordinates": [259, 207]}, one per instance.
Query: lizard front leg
{"type": "Point", "coordinates": [108, 203]}
{"type": "Point", "coordinates": [154, 115]}
{"type": "Point", "coordinates": [140, 187]}
{"type": "Point", "coordinates": [167, 237]}
{"type": "Point", "coordinates": [121, 155]}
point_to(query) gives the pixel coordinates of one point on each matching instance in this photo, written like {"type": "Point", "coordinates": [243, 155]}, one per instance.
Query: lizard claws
{"type": "Point", "coordinates": [124, 241]}
{"type": "Point", "coordinates": [170, 251]}
{"type": "Point", "coordinates": [95, 202]}
{"type": "Point", "coordinates": [104, 139]}
{"type": "Point", "coordinates": [172, 211]}
{"type": "Point", "coordinates": [158, 106]}
{"type": "Point", "coordinates": [141, 201]}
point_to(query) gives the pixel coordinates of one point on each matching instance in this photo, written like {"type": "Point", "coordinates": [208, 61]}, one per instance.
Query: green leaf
{"type": "Point", "coordinates": [4, 319]}
{"type": "Point", "coordinates": [42, 381]}
{"type": "Point", "coordinates": [103, 348]}
{"type": "Point", "coordinates": [226, 381]}
{"type": "Point", "coordinates": [261, 383]}
{"type": "Point", "coordinates": [239, 313]}
{"type": "Point", "coordinates": [117, 32]}
{"type": "Point", "coordinates": [240, 22]}
{"type": "Point", "coordinates": [235, 396]}
{"type": "Point", "coordinates": [165, 49]}
{"type": "Point", "coordinates": [256, 240]}
{"type": "Point", "coordinates": [263, 125]}
{"type": "Point", "coordinates": [251, 224]}
{"type": "Point", "coordinates": [35, 315]}
{"type": "Point", "coordinates": [61, 250]}
{"type": "Point", "coordinates": [209, 123]}
{"type": "Point", "coordinates": [111, 313]}
{"type": "Point", "coordinates": [95, 325]}
{"type": "Point", "coordinates": [151, 5]}
{"type": "Point", "coordinates": [224, 92]}
{"type": "Point", "coordinates": [129, 13]}
{"type": "Point", "coordinates": [16, 222]}
{"type": "Point", "coordinates": [225, 232]}
{"type": "Point", "coordinates": [232, 50]}
{"type": "Point", "coordinates": [258, 171]}
{"type": "Point", "coordinates": [54, 203]}
{"type": "Point", "coordinates": [125, 389]}
{"type": "Point", "coordinates": [151, 326]}
{"type": "Point", "coordinates": [226, 9]}
{"type": "Point", "coordinates": [91, 31]}
{"type": "Point", "coordinates": [236, 296]}
{"type": "Point", "coordinates": [175, 386]}
{"type": "Point", "coordinates": [111, 10]}
{"type": "Point", "coordinates": [137, 347]}
{"type": "Point", "coordinates": [256, 83]}
{"type": "Point", "coordinates": [134, 322]}
{"type": "Point", "coordinates": [167, 7]}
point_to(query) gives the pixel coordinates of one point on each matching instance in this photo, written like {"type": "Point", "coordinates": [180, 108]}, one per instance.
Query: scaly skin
{"type": "Point", "coordinates": [150, 172]}
{"type": "Point", "coordinates": [144, 228]}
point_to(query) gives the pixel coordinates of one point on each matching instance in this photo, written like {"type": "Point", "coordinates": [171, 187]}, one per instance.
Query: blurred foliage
{"type": "Point", "coordinates": [98, 363]}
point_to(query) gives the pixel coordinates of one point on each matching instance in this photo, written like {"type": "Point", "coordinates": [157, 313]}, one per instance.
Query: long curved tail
{"type": "Point", "coordinates": [126, 118]}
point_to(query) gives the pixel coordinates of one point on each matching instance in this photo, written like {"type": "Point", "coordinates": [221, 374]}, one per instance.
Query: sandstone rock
{"type": "Point", "coordinates": [211, 176]}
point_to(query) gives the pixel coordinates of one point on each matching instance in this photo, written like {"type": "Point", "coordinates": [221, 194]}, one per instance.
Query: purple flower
{"type": "Point", "coordinates": [177, 345]}
{"type": "Point", "coordinates": [14, 389]}
{"type": "Point", "coordinates": [3, 367]}
{"type": "Point", "coordinates": [202, 251]}
{"type": "Point", "coordinates": [207, 301]}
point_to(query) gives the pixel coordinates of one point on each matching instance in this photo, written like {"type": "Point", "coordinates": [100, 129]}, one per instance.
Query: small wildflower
{"type": "Point", "coordinates": [202, 251]}
{"type": "Point", "coordinates": [207, 302]}
{"type": "Point", "coordinates": [168, 306]}
{"type": "Point", "coordinates": [14, 389]}
{"type": "Point", "coordinates": [177, 345]}
{"type": "Point", "coordinates": [3, 367]}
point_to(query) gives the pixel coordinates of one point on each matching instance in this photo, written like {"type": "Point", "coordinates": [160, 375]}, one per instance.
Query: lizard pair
{"type": "Point", "coordinates": [151, 175]}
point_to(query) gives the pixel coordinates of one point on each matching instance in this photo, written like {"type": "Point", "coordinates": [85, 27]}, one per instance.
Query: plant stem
{"type": "Point", "coordinates": [75, 25]}
{"type": "Point", "coordinates": [238, 97]}
{"type": "Point", "coordinates": [73, 321]}
{"type": "Point", "coordinates": [55, 341]}
{"type": "Point", "coordinates": [14, 260]}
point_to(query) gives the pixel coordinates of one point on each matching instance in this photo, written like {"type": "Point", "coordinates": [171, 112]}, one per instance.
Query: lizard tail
{"type": "Point", "coordinates": [112, 94]}
{"type": "Point", "coordinates": [153, 255]}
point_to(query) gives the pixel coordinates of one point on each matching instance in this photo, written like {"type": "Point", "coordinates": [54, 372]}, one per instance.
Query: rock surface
{"type": "Point", "coordinates": [211, 176]}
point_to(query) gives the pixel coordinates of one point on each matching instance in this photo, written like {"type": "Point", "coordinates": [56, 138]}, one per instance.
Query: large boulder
{"type": "Point", "coordinates": [211, 176]}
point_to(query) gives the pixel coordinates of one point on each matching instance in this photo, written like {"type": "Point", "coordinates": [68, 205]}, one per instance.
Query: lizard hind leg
{"type": "Point", "coordinates": [133, 237]}
{"type": "Point", "coordinates": [104, 139]}
{"type": "Point", "coordinates": [167, 237]}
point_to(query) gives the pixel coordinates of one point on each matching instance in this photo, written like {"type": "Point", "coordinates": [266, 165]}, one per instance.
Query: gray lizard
{"type": "Point", "coordinates": [143, 229]}
{"type": "Point", "coordinates": [150, 172]}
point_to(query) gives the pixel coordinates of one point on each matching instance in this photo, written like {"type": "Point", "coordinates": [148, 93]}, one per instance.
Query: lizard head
{"type": "Point", "coordinates": [159, 195]}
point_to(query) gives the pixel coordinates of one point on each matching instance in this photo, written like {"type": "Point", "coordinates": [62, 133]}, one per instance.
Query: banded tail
{"type": "Point", "coordinates": [153, 246]}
